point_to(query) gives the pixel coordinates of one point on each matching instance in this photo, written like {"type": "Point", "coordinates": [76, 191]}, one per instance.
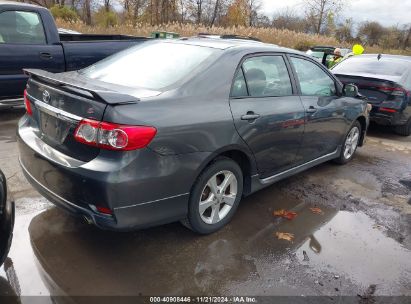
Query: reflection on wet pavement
{"type": "Point", "coordinates": [246, 258]}
{"type": "Point", "coordinates": [366, 258]}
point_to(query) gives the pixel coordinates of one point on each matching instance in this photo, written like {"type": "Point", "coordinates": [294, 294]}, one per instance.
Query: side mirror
{"type": "Point", "coordinates": [351, 90]}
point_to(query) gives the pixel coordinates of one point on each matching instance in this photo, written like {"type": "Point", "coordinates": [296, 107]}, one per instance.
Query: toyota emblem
{"type": "Point", "coordinates": [46, 96]}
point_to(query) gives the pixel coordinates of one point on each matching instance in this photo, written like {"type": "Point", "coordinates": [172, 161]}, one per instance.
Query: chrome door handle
{"type": "Point", "coordinates": [250, 116]}
{"type": "Point", "coordinates": [311, 109]}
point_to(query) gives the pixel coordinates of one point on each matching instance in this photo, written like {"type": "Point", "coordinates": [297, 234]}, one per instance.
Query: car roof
{"type": "Point", "coordinates": [387, 56]}
{"type": "Point", "coordinates": [225, 44]}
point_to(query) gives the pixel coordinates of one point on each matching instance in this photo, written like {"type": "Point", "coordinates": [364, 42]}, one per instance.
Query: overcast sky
{"type": "Point", "coordinates": [387, 12]}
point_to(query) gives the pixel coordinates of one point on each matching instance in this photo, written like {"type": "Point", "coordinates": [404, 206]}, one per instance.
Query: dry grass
{"type": "Point", "coordinates": [284, 38]}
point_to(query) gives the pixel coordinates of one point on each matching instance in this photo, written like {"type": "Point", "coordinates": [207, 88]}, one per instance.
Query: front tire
{"type": "Point", "coordinates": [350, 144]}
{"type": "Point", "coordinates": [215, 196]}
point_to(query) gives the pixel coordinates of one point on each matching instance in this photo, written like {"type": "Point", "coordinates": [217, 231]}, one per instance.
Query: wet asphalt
{"type": "Point", "coordinates": [358, 243]}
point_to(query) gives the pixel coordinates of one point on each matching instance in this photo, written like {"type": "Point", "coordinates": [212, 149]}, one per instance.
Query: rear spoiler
{"type": "Point", "coordinates": [107, 96]}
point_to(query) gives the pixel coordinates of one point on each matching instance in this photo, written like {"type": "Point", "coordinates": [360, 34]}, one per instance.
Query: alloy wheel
{"type": "Point", "coordinates": [351, 142]}
{"type": "Point", "coordinates": [218, 197]}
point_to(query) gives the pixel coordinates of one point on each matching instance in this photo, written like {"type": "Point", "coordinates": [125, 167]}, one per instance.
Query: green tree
{"type": "Point", "coordinates": [64, 12]}
{"type": "Point", "coordinates": [104, 18]}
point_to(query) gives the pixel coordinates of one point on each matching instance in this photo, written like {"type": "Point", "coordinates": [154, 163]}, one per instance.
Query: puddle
{"type": "Point", "coordinates": [55, 254]}
{"type": "Point", "coordinates": [354, 246]}
{"type": "Point", "coordinates": [406, 183]}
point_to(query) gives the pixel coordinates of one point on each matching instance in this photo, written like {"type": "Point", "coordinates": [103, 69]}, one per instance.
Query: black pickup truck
{"type": "Point", "coordinates": [29, 39]}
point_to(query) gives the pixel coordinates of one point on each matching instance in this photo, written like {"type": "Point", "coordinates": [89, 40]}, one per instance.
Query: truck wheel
{"type": "Point", "coordinates": [215, 196]}
{"type": "Point", "coordinates": [350, 144]}
{"type": "Point", "coordinates": [404, 130]}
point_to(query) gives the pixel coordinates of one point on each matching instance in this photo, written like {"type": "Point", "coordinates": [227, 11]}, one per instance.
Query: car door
{"type": "Point", "coordinates": [23, 44]}
{"type": "Point", "coordinates": [267, 113]}
{"type": "Point", "coordinates": [325, 121]}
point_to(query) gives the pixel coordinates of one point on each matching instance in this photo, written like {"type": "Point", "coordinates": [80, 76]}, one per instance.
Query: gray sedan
{"type": "Point", "coordinates": [182, 130]}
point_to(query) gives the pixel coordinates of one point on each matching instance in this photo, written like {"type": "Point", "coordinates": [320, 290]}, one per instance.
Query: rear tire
{"type": "Point", "coordinates": [215, 196]}
{"type": "Point", "coordinates": [404, 130]}
{"type": "Point", "coordinates": [350, 144]}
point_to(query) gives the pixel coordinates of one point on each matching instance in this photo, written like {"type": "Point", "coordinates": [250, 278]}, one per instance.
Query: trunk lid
{"type": "Point", "coordinates": [56, 114]}
{"type": "Point", "coordinates": [60, 101]}
{"type": "Point", "coordinates": [376, 89]}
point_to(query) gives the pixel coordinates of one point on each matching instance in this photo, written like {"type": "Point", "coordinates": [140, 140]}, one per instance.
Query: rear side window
{"type": "Point", "coordinates": [314, 81]}
{"type": "Point", "coordinates": [18, 27]}
{"type": "Point", "coordinates": [267, 76]}
{"type": "Point", "coordinates": [239, 86]}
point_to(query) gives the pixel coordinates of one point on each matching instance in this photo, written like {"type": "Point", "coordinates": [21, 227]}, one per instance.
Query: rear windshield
{"type": "Point", "coordinates": [151, 65]}
{"type": "Point", "coordinates": [371, 65]}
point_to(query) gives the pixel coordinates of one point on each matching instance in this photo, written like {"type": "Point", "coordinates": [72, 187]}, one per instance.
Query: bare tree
{"type": "Point", "coordinates": [407, 38]}
{"type": "Point", "coordinates": [199, 4]}
{"type": "Point", "coordinates": [182, 10]}
{"type": "Point", "coordinates": [319, 10]}
{"type": "Point", "coordinates": [371, 32]}
{"type": "Point", "coordinates": [107, 4]}
{"type": "Point", "coordinates": [253, 8]}
{"type": "Point", "coordinates": [290, 20]}
{"type": "Point", "coordinates": [344, 31]}
{"type": "Point", "coordinates": [216, 7]}
{"type": "Point", "coordinates": [87, 12]}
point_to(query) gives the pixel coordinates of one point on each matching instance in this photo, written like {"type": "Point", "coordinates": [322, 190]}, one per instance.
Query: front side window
{"type": "Point", "coordinates": [313, 80]}
{"type": "Point", "coordinates": [17, 27]}
{"type": "Point", "coordinates": [267, 76]}
{"type": "Point", "coordinates": [155, 65]}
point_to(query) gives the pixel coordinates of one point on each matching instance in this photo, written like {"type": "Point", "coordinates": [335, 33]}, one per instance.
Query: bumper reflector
{"type": "Point", "coordinates": [388, 110]}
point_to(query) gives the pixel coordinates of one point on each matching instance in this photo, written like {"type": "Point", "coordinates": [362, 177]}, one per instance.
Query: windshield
{"type": "Point", "coordinates": [371, 65]}
{"type": "Point", "coordinates": [153, 65]}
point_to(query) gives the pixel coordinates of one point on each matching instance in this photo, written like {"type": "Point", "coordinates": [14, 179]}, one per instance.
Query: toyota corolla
{"type": "Point", "coordinates": [182, 130]}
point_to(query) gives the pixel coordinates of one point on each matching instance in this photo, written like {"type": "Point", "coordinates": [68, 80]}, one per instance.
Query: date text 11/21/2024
{"type": "Point", "coordinates": [204, 299]}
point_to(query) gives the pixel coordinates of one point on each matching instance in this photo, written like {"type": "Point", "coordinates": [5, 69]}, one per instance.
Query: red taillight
{"type": "Point", "coordinates": [395, 91]}
{"type": "Point", "coordinates": [101, 209]}
{"type": "Point", "coordinates": [111, 136]}
{"type": "Point", "coordinates": [388, 110]}
{"type": "Point", "coordinates": [27, 104]}
{"type": "Point", "coordinates": [104, 210]}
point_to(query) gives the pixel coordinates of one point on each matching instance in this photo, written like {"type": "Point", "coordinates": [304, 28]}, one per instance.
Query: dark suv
{"type": "Point", "coordinates": [182, 130]}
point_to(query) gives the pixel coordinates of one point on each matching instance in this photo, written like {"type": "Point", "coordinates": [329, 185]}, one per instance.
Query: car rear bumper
{"type": "Point", "coordinates": [141, 187]}
{"type": "Point", "coordinates": [90, 217]}
{"type": "Point", "coordinates": [388, 119]}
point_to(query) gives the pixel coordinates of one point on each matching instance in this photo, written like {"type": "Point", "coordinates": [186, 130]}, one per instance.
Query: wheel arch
{"type": "Point", "coordinates": [363, 122]}
{"type": "Point", "coordinates": [241, 156]}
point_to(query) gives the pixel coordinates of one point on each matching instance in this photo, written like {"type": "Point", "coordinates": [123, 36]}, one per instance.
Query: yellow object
{"type": "Point", "coordinates": [357, 49]}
